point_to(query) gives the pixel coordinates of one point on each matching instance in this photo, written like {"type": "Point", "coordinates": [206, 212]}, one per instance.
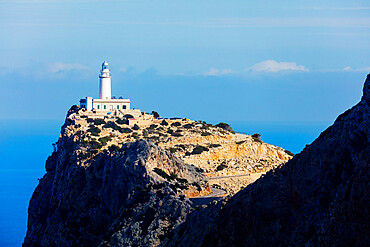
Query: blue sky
{"type": "Point", "coordinates": [212, 60]}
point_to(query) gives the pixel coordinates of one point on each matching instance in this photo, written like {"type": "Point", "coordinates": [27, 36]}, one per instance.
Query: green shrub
{"type": "Point", "coordinates": [84, 143]}
{"type": "Point", "coordinates": [145, 133]}
{"type": "Point", "coordinates": [225, 126]}
{"type": "Point", "coordinates": [240, 142]}
{"type": "Point", "coordinates": [176, 134]}
{"type": "Point", "coordinates": [205, 133]}
{"type": "Point", "coordinates": [176, 124]}
{"type": "Point", "coordinates": [125, 130]}
{"type": "Point", "coordinates": [221, 167]}
{"type": "Point", "coordinates": [113, 148]}
{"type": "Point", "coordinates": [159, 186]}
{"type": "Point", "coordinates": [99, 121]}
{"type": "Point", "coordinates": [136, 127]}
{"type": "Point", "coordinates": [182, 180]}
{"type": "Point", "coordinates": [289, 153]}
{"type": "Point", "coordinates": [173, 150]}
{"type": "Point", "coordinates": [169, 131]}
{"type": "Point", "coordinates": [164, 123]}
{"type": "Point", "coordinates": [198, 169]}
{"type": "Point", "coordinates": [256, 135]}
{"type": "Point", "coordinates": [155, 114]}
{"type": "Point", "coordinates": [188, 126]}
{"type": "Point", "coordinates": [195, 184]}
{"type": "Point", "coordinates": [95, 145]}
{"type": "Point", "coordinates": [256, 139]}
{"type": "Point", "coordinates": [162, 173]}
{"type": "Point", "coordinates": [152, 126]}
{"type": "Point", "coordinates": [214, 145]}
{"type": "Point", "coordinates": [181, 186]}
{"type": "Point", "coordinates": [122, 121]}
{"type": "Point", "coordinates": [104, 140]}
{"type": "Point", "coordinates": [94, 130]}
{"type": "Point", "coordinates": [199, 149]}
{"type": "Point", "coordinates": [111, 125]}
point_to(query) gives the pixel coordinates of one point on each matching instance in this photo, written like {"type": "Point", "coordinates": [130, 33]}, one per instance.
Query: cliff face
{"type": "Point", "coordinates": [319, 198]}
{"type": "Point", "coordinates": [116, 196]}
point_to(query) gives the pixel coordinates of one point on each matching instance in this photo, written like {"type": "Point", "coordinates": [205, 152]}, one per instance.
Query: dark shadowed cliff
{"type": "Point", "coordinates": [319, 198]}
{"type": "Point", "coordinates": [114, 197]}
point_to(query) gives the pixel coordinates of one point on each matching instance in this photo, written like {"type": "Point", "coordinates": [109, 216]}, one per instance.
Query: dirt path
{"type": "Point", "coordinates": [253, 176]}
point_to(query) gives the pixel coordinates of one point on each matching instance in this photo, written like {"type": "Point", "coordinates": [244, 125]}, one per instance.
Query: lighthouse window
{"type": "Point", "coordinates": [98, 106]}
{"type": "Point", "coordinates": [105, 107]}
{"type": "Point", "coordinates": [117, 106]}
{"type": "Point", "coordinates": [123, 107]}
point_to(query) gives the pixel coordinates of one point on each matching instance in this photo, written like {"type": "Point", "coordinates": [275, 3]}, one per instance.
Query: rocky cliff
{"type": "Point", "coordinates": [319, 198]}
{"type": "Point", "coordinates": [133, 195]}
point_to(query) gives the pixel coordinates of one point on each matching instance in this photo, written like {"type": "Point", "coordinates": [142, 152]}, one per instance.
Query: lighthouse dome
{"type": "Point", "coordinates": [105, 65]}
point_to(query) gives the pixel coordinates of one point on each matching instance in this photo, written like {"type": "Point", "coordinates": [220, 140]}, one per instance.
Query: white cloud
{"type": "Point", "coordinates": [64, 67]}
{"type": "Point", "coordinates": [364, 69]}
{"type": "Point", "coordinates": [217, 72]}
{"type": "Point", "coordinates": [274, 66]}
{"type": "Point", "coordinates": [123, 69]}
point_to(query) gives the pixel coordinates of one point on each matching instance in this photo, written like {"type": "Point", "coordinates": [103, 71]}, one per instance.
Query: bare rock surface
{"type": "Point", "coordinates": [319, 198]}
{"type": "Point", "coordinates": [114, 197]}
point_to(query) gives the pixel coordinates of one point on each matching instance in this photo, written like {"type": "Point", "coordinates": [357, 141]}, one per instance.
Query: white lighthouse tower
{"type": "Point", "coordinates": [105, 104]}
{"type": "Point", "coordinates": [105, 89]}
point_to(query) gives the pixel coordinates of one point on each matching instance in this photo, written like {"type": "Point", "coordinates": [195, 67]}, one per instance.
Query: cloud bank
{"type": "Point", "coordinates": [218, 72]}
{"type": "Point", "coordinates": [364, 69]}
{"type": "Point", "coordinates": [272, 66]}
{"type": "Point", "coordinates": [59, 67]}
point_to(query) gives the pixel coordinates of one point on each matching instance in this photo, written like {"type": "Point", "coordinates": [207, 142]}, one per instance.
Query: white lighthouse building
{"type": "Point", "coordinates": [105, 103]}
{"type": "Point", "coordinates": [105, 88]}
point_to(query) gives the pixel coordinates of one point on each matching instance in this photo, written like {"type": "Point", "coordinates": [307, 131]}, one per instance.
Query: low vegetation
{"type": "Point", "coordinates": [214, 145]}
{"type": "Point", "coordinates": [289, 153]}
{"type": "Point", "coordinates": [176, 124]}
{"type": "Point", "coordinates": [104, 140]}
{"type": "Point", "coordinates": [122, 121]}
{"type": "Point", "coordinates": [94, 130]}
{"type": "Point", "coordinates": [199, 149]}
{"type": "Point", "coordinates": [113, 148]}
{"type": "Point", "coordinates": [256, 135]}
{"type": "Point", "coordinates": [221, 166]}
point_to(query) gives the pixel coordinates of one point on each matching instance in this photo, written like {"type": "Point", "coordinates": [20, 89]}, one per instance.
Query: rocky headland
{"type": "Point", "coordinates": [112, 182]}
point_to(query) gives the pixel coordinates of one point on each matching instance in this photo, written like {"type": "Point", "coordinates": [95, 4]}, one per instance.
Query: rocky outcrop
{"type": "Point", "coordinates": [131, 196]}
{"type": "Point", "coordinates": [319, 198]}
{"type": "Point", "coordinates": [216, 150]}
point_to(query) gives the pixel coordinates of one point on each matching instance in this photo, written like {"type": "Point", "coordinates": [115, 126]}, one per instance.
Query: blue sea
{"type": "Point", "coordinates": [26, 144]}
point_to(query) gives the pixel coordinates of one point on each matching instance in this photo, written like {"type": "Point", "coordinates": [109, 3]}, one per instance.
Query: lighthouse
{"type": "Point", "coordinates": [105, 88]}
{"type": "Point", "coordinates": [106, 104]}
